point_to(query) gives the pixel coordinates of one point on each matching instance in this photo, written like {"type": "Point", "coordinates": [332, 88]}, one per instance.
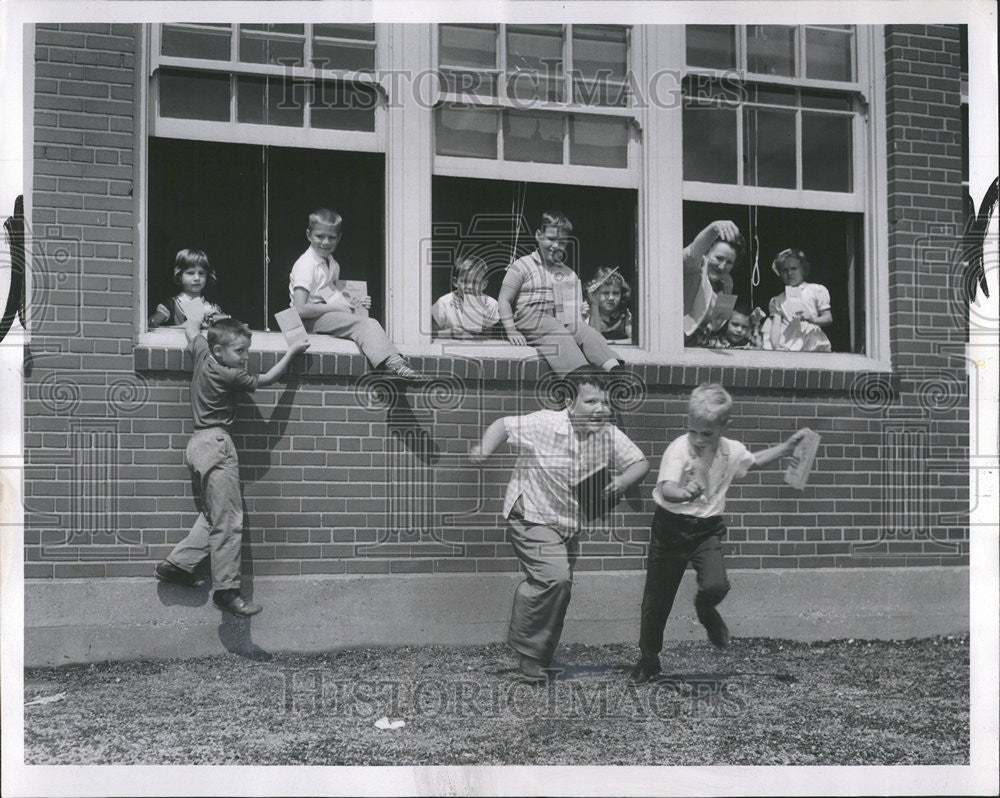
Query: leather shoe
{"type": "Point", "coordinates": [530, 670]}
{"type": "Point", "coordinates": [718, 632]}
{"type": "Point", "coordinates": [232, 601]}
{"type": "Point", "coordinates": [168, 572]}
{"type": "Point", "coordinates": [645, 669]}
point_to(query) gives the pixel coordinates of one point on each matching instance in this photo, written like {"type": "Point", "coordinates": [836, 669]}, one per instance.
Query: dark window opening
{"type": "Point", "coordinates": [495, 220]}
{"type": "Point", "coordinates": [832, 242]}
{"type": "Point", "coordinates": [247, 206]}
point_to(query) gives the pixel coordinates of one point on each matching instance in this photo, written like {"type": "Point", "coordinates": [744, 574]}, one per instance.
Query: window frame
{"type": "Point", "coordinates": [408, 130]}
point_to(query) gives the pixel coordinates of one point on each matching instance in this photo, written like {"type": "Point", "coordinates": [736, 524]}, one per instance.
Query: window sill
{"type": "Point", "coordinates": [164, 350]}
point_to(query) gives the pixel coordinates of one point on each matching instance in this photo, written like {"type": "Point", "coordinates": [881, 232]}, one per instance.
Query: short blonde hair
{"type": "Point", "coordinates": [710, 402]}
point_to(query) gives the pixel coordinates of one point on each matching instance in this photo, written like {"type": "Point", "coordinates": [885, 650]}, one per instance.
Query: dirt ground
{"type": "Point", "coordinates": [761, 702]}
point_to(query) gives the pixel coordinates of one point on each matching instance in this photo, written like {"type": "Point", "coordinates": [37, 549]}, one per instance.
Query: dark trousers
{"type": "Point", "coordinates": [675, 541]}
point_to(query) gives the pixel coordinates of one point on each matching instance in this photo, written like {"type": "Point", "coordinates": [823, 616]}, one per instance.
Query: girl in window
{"type": "Point", "coordinates": [797, 315]}
{"type": "Point", "coordinates": [608, 295]}
{"type": "Point", "coordinates": [708, 261]}
{"type": "Point", "coordinates": [192, 273]}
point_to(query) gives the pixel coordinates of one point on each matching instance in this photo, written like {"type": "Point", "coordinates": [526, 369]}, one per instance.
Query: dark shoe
{"type": "Point", "coordinates": [232, 601]}
{"type": "Point", "coordinates": [531, 670]}
{"type": "Point", "coordinates": [645, 669]}
{"type": "Point", "coordinates": [168, 572]}
{"type": "Point", "coordinates": [718, 632]}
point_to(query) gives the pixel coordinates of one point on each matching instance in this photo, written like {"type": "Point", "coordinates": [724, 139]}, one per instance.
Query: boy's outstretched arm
{"type": "Point", "coordinates": [495, 435]}
{"type": "Point", "coordinates": [275, 372]}
{"type": "Point", "coordinates": [629, 477]}
{"type": "Point", "coordinates": [768, 456]}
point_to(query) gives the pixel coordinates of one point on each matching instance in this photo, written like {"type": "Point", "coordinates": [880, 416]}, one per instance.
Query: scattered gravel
{"type": "Point", "coordinates": [761, 702]}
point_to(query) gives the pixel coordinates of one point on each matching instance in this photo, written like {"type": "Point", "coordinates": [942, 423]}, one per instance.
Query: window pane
{"type": "Point", "coordinates": [348, 47]}
{"type": "Point", "coordinates": [600, 64]}
{"type": "Point", "coordinates": [712, 46]}
{"type": "Point", "coordinates": [342, 105]}
{"type": "Point", "coordinates": [826, 152]}
{"type": "Point", "coordinates": [827, 100]}
{"type": "Point", "coordinates": [710, 144]}
{"type": "Point", "coordinates": [202, 41]}
{"type": "Point", "coordinates": [194, 95]}
{"type": "Point", "coordinates": [771, 49]}
{"type": "Point", "coordinates": [468, 132]}
{"type": "Point", "coordinates": [533, 137]}
{"type": "Point", "coordinates": [478, 84]}
{"type": "Point", "coordinates": [829, 55]}
{"type": "Point", "coordinates": [351, 56]}
{"type": "Point", "coordinates": [769, 147]}
{"type": "Point", "coordinates": [534, 62]}
{"type": "Point", "coordinates": [359, 33]}
{"type": "Point", "coordinates": [600, 50]}
{"type": "Point", "coordinates": [272, 44]}
{"type": "Point", "coordinates": [598, 141]}
{"type": "Point", "coordinates": [467, 46]}
{"type": "Point", "coordinates": [269, 101]}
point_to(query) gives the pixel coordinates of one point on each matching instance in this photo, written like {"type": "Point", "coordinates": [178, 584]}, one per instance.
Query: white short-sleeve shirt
{"type": "Point", "coordinates": [314, 273]}
{"type": "Point", "coordinates": [680, 463]}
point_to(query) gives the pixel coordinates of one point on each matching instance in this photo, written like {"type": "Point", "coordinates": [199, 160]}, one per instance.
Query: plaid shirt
{"type": "Point", "coordinates": [552, 459]}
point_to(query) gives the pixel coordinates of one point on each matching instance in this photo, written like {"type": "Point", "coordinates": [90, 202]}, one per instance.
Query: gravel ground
{"type": "Point", "coordinates": [761, 702]}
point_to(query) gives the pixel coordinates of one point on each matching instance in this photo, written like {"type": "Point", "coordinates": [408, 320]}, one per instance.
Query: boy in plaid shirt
{"type": "Point", "coordinates": [556, 449]}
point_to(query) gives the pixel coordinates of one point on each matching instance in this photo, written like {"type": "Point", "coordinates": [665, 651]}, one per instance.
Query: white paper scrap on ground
{"type": "Point", "coordinates": [797, 473]}
{"type": "Point", "coordinates": [385, 723]}
{"type": "Point", "coordinates": [45, 699]}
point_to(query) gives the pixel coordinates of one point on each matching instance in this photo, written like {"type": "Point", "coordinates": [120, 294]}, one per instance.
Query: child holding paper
{"type": "Point", "coordinates": [325, 309]}
{"type": "Point", "coordinates": [695, 473]}
{"type": "Point", "coordinates": [796, 316]}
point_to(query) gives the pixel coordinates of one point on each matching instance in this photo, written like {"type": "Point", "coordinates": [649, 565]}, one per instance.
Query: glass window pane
{"type": "Point", "coordinates": [533, 137]}
{"type": "Point", "coordinates": [773, 95]}
{"type": "Point", "coordinates": [600, 92]}
{"type": "Point", "coordinates": [827, 100]}
{"type": "Point", "coordinates": [202, 41]}
{"type": "Point", "coordinates": [600, 51]}
{"type": "Point", "coordinates": [829, 55]}
{"type": "Point", "coordinates": [712, 46]}
{"type": "Point", "coordinates": [769, 147]}
{"type": "Point", "coordinates": [710, 144]}
{"type": "Point", "coordinates": [343, 105]}
{"type": "Point", "coordinates": [272, 44]}
{"type": "Point", "coordinates": [534, 62]}
{"type": "Point", "coordinates": [270, 101]}
{"type": "Point", "coordinates": [467, 46]}
{"type": "Point", "coordinates": [466, 132]}
{"type": "Point", "coordinates": [478, 84]}
{"type": "Point", "coordinates": [771, 49]}
{"type": "Point", "coordinates": [350, 56]}
{"type": "Point", "coordinates": [361, 33]}
{"type": "Point", "coordinates": [826, 152]}
{"type": "Point", "coordinates": [598, 141]}
{"type": "Point", "coordinates": [194, 95]}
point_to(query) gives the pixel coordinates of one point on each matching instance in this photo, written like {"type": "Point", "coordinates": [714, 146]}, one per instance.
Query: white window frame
{"type": "Point", "coordinates": [407, 137]}
{"type": "Point", "coordinates": [868, 197]}
{"type": "Point", "coordinates": [249, 133]}
{"type": "Point", "coordinates": [564, 173]}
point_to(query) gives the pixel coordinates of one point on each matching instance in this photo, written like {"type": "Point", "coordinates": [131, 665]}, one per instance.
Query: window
{"type": "Point", "coordinates": [773, 138]}
{"type": "Point", "coordinates": [533, 117]}
{"type": "Point", "coordinates": [252, 127]}
{"type": "Point", "coordinates": [437, 142]}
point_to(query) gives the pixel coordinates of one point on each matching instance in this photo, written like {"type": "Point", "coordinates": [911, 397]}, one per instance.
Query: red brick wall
{"type": "Point", "coordinates": [334, 486]}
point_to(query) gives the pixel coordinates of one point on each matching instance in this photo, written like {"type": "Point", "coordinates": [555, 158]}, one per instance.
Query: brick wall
{"type": "Point", "coordinates": [340, 478]}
